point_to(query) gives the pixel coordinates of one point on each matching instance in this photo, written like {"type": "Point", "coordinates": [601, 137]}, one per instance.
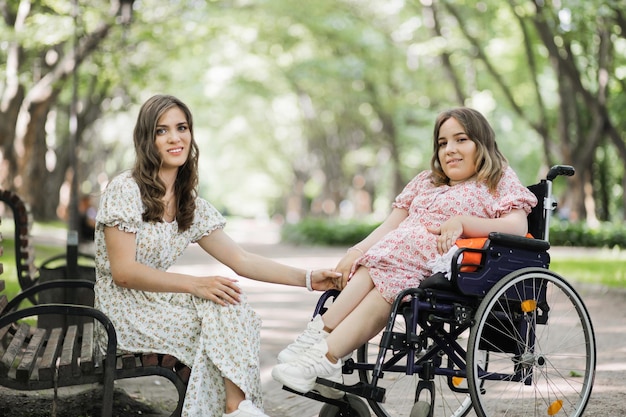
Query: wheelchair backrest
{"type": "Point", "coordinates": [538, 216]}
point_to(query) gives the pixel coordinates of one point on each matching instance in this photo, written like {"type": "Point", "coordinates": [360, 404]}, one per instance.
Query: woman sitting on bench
{"type": "Point", "coordinates": [146, 219]}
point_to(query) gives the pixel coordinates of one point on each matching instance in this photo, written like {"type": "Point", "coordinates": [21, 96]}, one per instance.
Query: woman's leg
{"type": "Point", "coordinates": [361, 324]}
{"type": "Point", "coordinates": [357, 289]}
{"type": "Point", "coordinates": [234, 395]}
{"type": "Point", "coordinates": [319, 328]}
{"type": "Point", "coordinates": [358, 320]}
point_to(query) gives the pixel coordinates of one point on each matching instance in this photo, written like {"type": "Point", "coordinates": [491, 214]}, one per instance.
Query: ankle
{"type": "Point", "coordinates": [331, 358]}
{"type": "Point", "coordinates": [231, 407]}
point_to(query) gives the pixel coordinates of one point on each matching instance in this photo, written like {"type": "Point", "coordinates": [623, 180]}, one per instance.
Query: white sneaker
{"type": "Point", "coordinates": [301, 374]}
{"type": "Point", "coordinates": [246, 409]}
{"type": "Point", "coordinates": [313, 334]}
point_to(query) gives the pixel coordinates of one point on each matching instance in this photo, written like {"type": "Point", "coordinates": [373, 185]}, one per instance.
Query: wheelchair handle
{"type": "Point", "coordinates": [557, 170]}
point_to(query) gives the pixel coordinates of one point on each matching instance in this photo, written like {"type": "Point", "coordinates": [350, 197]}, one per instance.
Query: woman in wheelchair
{"type": "Point", "coordinates": [469, 191]}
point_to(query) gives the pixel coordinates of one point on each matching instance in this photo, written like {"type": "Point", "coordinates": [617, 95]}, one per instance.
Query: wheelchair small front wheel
{"type": "Point", "coordinates": [355, 407]}
{"type": "Point", "coordinates": [420, 409]}
{"type": "Point", "coordinates": [402, 389]}
{"type": "Point", "coordinates": [540, 344]}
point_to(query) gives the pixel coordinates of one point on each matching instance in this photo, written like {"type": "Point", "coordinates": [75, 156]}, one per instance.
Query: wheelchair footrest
{"type": "Point", "coordinates": [360, 389]}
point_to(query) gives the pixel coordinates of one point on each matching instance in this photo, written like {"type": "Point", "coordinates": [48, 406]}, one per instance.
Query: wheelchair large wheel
{"type": "Point", "coordinates": [541, 348]}
{"type": "Point", "coordinates": [356, 408]}
{"type": "Point", "coordinates": [401, 389]}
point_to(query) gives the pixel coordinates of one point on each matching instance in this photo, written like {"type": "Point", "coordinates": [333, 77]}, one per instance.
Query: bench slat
{"type": "Point", "coordinates": [3, 300]}
{"type": "Point", "coordinates": [128, 361]}
{"type": "Point", "coordinates": [168, 361]}
{"type": "Point", "coordinates": [29, 359]}
{"type": "Point", "coordinates": [87, 348]}
{"type": "Point", "coordinates": [48, 362]}
{"type": "Point", "coordinates": [150, 359]}
{"type": "Point", "coordinates": [14, 347]}
{"type": "Point", "coordinates": [66, 363]}
{"type": "Point", "coordinates": [184, 372]}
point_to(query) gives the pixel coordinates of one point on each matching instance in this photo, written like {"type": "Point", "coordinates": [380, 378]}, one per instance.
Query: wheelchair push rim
{"type": "Point", "coordinates": [532, 348]}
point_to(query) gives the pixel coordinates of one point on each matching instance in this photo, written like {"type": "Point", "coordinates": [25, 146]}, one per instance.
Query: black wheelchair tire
{"type": "Point", "coordinates": [356, 408]}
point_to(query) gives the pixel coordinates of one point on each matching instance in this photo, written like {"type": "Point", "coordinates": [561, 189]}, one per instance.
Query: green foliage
{"type": "Point", "coordinates": [336, 232]}
{"type": "Point", "coordinates": [327, 232]}
{"type": "Point", "coordinates": [607, 235]}
{"type": "Point", "coordinates": [331, 90]}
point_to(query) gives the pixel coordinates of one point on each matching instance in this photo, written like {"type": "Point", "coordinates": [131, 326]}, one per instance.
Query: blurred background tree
{"type": "Point", "coordinates": [314, 109]}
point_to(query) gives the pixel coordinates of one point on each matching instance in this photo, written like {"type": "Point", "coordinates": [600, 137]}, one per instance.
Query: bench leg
{"type": "Point", "coordinates": [108, 381]}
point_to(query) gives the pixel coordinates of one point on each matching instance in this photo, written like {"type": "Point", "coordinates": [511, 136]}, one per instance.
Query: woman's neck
{"type": "Point", "coordinates": [169, 179]}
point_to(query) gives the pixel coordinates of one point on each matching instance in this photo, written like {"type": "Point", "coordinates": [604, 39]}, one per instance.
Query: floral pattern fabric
{"type": "Point", "coordinates": [216, 342]}
{"type": "Point", "coordinates": [400, 260]}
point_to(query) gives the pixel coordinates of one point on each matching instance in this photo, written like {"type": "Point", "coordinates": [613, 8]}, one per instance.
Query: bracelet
{"type": "Point", "coordinates": [307, 280]}
{"type": "Point", "coordinates": [356, 248]}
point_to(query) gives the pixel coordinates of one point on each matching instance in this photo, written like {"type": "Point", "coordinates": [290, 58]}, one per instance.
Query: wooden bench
{"type": "Point", "coordinates": [35, 358]}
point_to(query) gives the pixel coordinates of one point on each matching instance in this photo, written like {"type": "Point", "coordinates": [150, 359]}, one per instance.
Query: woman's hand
{"type": "Point", "coordinates": [345, 266]}
{"type": "Point", "coordinates": [220, 290]}
{"type": "Point", "coordinates": [448, 233]}
{"type": "Point", "coordinates": [325, 279]}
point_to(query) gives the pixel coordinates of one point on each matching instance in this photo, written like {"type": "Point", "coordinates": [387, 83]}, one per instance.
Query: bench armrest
{"type": "Point", "coordinates": [30, 292]}
{"type": "Point", "coordinates": [71, 310]}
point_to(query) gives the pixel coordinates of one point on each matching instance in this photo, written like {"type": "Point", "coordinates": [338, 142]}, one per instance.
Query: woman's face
{"type": "Point", "coordinates": [173, 138]}
{"type": "Point", "coordinates": [456, 152]}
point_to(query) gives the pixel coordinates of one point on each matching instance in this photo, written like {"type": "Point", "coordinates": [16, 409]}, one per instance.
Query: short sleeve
{"type": "Point", "coordinates": [206, 220]}
{"type": "Point", "coordinates": [512, 195]}
{"type": "Point", "coordinates": [121, 205]}
{"type": "Point", "coordinates": [410, 191]}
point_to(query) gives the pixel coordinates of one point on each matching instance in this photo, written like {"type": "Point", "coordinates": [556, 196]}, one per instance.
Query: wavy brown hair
{"type": "Point", "coordinates": [148, 161]}
{"type": "Point", "coordinates": [490, 162]}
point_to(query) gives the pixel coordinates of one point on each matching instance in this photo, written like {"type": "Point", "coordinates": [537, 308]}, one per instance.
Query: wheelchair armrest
{"type": "Point", "coordinates": [520, 242]}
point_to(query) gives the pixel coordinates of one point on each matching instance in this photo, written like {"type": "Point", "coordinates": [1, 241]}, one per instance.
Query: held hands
{"type": "Point", "coordinates": [344, 267]}
{"type": "Point", "coordinates": [325, 279]}
{"type": "Point", "coordinates": [220, 290]}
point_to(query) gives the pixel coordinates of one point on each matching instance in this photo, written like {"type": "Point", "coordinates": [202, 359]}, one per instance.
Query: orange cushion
{"type": "Point", "coordinates": [473, 258]}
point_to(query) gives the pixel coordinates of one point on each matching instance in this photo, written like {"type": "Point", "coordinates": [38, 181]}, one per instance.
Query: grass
{"type": "Point", "coordinates": [604, 267]}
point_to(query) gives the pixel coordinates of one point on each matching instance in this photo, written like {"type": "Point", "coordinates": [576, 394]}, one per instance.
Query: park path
{"type": "Point", "coordinates": [286, 310]}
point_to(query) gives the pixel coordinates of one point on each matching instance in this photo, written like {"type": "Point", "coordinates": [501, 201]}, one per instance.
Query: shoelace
{"type": "Point", "coordinates": [311, 357]}
{"type": "Point", "coordinates": [308, 336]}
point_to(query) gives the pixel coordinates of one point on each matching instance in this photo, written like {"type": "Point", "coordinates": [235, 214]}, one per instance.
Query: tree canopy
{"type": "Point", "coordinates": [318, 108]}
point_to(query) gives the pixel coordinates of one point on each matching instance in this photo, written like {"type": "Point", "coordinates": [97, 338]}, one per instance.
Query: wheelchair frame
{"type": "Point", "coordinates": [513, 363]}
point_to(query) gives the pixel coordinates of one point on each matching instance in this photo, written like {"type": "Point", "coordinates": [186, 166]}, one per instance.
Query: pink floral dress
{"type": "Point", "coordinates": [215, 341]}
{"type": "Point", "coordinates": [400, 259]}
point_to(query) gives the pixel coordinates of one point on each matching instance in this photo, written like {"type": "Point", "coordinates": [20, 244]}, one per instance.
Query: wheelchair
{"type": "Point", "coordinates": [504, 336]}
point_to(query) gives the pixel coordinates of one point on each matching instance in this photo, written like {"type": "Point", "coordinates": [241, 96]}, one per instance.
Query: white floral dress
{"type": "Point", "coordinates": [400, 259]}
{"type": "Point", "coordinates": [215, 341]}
